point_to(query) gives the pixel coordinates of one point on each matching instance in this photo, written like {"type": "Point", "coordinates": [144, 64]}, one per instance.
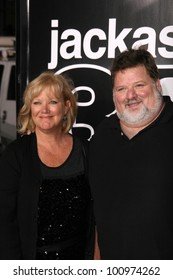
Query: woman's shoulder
{"type": "Point", "coordinates": [18, 145]}
{"type": "Point", "coordinates": [81, 141]}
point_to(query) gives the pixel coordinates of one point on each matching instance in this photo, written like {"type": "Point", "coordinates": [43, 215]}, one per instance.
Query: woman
{"type": "Point", "coordinates": [45, 202]}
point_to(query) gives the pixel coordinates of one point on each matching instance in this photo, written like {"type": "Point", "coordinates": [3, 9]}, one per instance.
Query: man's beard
{"type": "Point", "coordinates": [144, 114]}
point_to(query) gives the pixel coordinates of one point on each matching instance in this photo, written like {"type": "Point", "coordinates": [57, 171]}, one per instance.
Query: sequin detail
{"type": "Point", "coordinates": [62, 215]}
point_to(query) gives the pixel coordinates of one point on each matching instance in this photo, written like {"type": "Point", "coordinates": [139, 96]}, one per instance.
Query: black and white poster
{"type": "Point", "coordinates": [81, 38]}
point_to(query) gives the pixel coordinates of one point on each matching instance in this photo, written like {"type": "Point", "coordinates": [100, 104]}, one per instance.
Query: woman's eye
{"type": "Point", "coordinates": [36, 102]}
{"type": "Point", "coordinates": [53, 101]}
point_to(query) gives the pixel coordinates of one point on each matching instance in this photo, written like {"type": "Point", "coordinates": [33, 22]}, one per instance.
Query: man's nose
{"type": "Point", "coordinates": [131, 93]}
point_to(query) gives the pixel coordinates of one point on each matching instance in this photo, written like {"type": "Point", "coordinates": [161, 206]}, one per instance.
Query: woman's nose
{"type": "Point", "coordinates": [45, 108]}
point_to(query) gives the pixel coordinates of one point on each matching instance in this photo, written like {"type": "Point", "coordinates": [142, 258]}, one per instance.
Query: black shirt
{"type": "Point", "coordinates": [132, 188]}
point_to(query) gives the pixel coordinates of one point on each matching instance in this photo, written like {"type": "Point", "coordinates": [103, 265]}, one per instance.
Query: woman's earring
{"type": "Point", "coordinates": [65, 117]}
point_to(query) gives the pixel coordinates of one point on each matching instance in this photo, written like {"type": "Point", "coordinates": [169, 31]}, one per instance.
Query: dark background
{"type": "Point", "coordinates": [7, 18]}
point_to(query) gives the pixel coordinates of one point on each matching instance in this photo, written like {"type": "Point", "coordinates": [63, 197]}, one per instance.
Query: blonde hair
{"type": "Point", "coordinates": [60, 86]}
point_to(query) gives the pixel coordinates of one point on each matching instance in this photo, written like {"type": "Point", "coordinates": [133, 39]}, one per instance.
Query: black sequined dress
{"type": "Point", "coordinates": [62, 209]}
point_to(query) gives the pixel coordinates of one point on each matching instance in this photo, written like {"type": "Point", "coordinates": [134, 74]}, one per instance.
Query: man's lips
{"type": "Point", "coordinates": [132, 103]}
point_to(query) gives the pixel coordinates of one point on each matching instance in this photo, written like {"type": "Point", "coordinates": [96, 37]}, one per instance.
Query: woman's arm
{"type": "Point", "coordinates": [9, 176]}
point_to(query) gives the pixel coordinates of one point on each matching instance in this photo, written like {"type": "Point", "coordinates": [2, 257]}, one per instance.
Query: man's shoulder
{"type": "Point", "coordinates": [102, 130]}
{"type": "Point", "coordinates": [107, 123]}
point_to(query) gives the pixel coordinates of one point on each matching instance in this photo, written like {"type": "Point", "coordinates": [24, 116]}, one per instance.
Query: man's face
{"type": "Point", "coordinates": [137, 98]}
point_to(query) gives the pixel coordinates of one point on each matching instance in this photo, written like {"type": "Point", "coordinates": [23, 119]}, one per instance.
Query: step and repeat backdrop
{"type": "Point", "coordinates": [81, 38]}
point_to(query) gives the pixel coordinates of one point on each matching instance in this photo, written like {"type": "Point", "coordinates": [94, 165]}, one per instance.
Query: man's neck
{"type": "Point", "coordinates": [131, 130]}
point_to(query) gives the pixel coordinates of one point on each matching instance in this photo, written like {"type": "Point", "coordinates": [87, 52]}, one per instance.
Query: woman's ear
{"type": "Point", "coordinates": [67, 106]}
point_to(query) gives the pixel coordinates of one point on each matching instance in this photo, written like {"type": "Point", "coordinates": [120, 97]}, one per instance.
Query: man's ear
{"type": "Point", "coordinates": [158, 85]}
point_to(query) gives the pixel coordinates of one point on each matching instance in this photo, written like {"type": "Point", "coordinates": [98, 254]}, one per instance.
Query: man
{"type": "Point", "coordinates": [131, 164]}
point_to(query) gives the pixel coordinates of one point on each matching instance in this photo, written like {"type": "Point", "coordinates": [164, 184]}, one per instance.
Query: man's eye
{"type": "Point", "coordinates": [122, 89]}
{"type": "Point", "coordinates": [139, 86]}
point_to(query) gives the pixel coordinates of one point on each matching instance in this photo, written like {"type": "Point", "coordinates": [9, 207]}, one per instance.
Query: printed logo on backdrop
{"type": "Point", "coordinates": [92, 80]}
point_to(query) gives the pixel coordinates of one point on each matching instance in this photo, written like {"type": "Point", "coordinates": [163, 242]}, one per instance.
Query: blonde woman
{"type": "Point", "coordinates": [45, 201]}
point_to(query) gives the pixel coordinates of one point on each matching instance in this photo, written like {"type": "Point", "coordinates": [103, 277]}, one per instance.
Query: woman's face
{"type": "Point", "coordinates": [47, 111]}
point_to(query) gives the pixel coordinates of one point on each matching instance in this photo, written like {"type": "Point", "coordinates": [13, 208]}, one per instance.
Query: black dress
{"type": "Point", "coordinates": [63, 209]}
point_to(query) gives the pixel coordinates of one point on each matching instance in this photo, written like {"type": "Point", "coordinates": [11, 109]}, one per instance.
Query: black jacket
{"type": "Point", "coordinates": [21, 178]}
